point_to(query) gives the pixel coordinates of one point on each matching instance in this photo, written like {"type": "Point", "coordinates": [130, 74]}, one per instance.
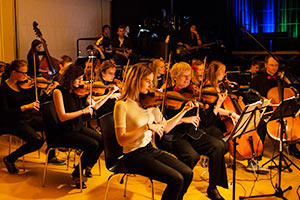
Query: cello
{"type": "Point", "coordinates": [48, 63]}
{"type": "Point", "coordinates": [292, 124]}
{"type": "Point", "coordinates": [250, 144]}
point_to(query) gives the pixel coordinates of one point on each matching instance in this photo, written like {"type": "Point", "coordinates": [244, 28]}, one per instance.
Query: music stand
{"type": "Point", "coordinates": [248, 121]}
{"type": "Point", "coordinates": [287, 108]}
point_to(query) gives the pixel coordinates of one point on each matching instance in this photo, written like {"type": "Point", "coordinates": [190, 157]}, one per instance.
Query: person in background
{"type": "Point", "coordinates": [35, 53]}
{"type": "Point", "coordinates": [198, 71]}
{"type": "Point", "coordinates": [159, 69]}
{"type": "Point", "coordinates": [263, 83]}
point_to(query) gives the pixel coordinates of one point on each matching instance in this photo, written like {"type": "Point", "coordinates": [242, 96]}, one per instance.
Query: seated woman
{"type": "Point", "coordinates": [134, 126]}
{"type": "Point", "coordinates": [70, 110]}
{"type": "Point", "coordinates": [159, 70]}
{"type": "Point", "coordinates": [19, 115]}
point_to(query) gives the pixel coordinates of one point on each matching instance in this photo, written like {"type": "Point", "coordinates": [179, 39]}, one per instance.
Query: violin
{"type": "Point", "coordinates": [250, 144]}
{"type": "Point", "coordinates": [292, 123]}
{"type": "Point", "coordinates": [174, 100]}
{"type": "Point", "coordinates": [98, 88]}
{"type": "Point", "coordinates": [29, 83]}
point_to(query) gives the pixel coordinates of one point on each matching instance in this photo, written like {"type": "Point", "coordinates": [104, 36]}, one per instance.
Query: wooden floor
{"type": "Point", "coordinates": [28, 184]}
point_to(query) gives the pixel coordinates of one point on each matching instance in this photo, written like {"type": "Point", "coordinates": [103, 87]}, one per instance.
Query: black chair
{"type": "Point", "coordinates": [114, 153]}
{"type": "Point", "coordinates": [50, 117]}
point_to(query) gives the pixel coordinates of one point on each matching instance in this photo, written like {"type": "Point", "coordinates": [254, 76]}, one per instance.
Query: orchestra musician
{"type": "Point", "coordinates": [35, 51]}
{"type": "Point", "coordinates": [70, 110]}
{"type": "Point", "coordinates": [17, 116]}
{"type": "Point", "coordinates": [159, 70]}
{"type": "Point", "coordinates": [187, 143]}
{"type": "Point", "coordinates": [263, 83]}
{"type": "Point", "coordinates": [105, 42]}
{"type": "Point", "coordinates": [105, 75]}
{"type": "Point", "coordinates": [123, 48]}
{"type": "Point", "coordinates": [197, 71]}
{"type": "Point", "coordinates": [134, 126]}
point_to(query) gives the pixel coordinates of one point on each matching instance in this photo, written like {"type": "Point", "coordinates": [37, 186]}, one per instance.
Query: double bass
{"type": "Point", "coordinates": [292, 124]}
{"type": "Point", "coordinates": [48, 63]}
{"type": "Point", "coordinates": [249, 144]}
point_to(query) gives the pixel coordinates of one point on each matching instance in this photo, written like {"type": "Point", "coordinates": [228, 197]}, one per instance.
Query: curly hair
{"type": "Point", "coordinates": [70, 75]}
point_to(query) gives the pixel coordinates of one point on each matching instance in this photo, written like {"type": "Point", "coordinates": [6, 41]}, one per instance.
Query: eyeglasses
{"type": "Point", "coordinates": [24, 73]}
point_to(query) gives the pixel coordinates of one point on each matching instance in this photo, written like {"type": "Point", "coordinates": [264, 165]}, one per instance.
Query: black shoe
{"type": "Point", "coordinates": [214, 194]}
{"type": "Point", "coordinates": [77, 183]}
{"type": "Point", "coordinates": [11, 167]}
{"type": "Point", "coordinates": [88, 173]}
{"type": "Point", "coordinates": [56, 161]}
{"type": "Point", "coordinates": [294, 152]}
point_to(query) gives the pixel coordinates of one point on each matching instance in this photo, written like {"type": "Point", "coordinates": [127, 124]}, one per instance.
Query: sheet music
{"type": "Point", "coordinates": [249, 118]}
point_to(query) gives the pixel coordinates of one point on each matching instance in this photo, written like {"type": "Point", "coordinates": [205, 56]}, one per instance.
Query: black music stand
{"type": "Point", "coordinates": [289, 108]}
{"type": "Point", "coordinates": [248, 121]}
{"type": "Point", "coordinates": [286, 108]}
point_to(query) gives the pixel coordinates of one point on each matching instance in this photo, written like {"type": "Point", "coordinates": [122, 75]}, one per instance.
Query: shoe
{"type": "Point", "coordinates": [56, 161]}
{"type": "Point", "coordinates": [294, 152]}
{"type": "Point", "coordinates": [77, 183]}
{"type": "Point", "coordinates": [11, 167]}
{"type": "Point", "coordinates": [88, 173]}
{"type": "Point", "coordinates": [254, 167]}
{"type": "Point", "coordinates": [214, 194]}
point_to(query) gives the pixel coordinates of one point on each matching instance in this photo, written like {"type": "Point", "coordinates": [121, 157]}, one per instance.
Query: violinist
{"type": "Point", "coordinates": [263, 83]}
{"type": "Point", "coordinates": [35, 51]}
{"type": "Point", "coordinates": [64, 62]}
{"type": "Point", "coordinates": [187, 143]}
{"type": "Point", "coordinates": [159, 69]}
{"type": "Point", "coordinates": [197, 71]}
{"type": "Point", "coordinates": [70, 110]}
{"type": "Point", "coordinates": [135, 135]}
{"type": "Point", "coordinates": [106, 75]}
{"type": "Point", "coordinates": [17, 116]}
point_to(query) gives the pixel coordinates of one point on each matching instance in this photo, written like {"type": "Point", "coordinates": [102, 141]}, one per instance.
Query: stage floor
{"type": "Point", "coordinates": [28, 184]}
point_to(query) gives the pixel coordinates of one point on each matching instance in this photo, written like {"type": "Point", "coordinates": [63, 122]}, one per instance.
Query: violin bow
{"type": "Point", "coordinates": [35, 81]}
{"type": "Point", "coordinates": [201, 86]}
{"type": "Point", "coordinates": [91, 79]}
{"type": "Point", "coordinates": [165, 91]}
{"type": "Point", "coordinates": [125, 72]}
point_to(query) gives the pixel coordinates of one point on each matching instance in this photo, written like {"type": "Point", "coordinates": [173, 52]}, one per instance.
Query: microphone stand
{"type": "Point", "coordinates": [278, 190]}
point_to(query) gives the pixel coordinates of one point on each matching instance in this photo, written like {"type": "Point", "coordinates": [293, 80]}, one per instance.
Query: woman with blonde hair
{"type": "Point", "coordinates": [134, 126]}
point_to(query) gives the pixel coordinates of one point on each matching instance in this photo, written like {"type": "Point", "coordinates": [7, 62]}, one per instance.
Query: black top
{"type": "Point", "coordinates": [263, 83]}
{"type": "Point", "coordinates": [207, 118]}
{"type": "Point", "coordinates": [72, 103]}
{"type": "Point", "coordinates": [31, 63]}
{"type": "Point", "coordinates": [127, 44]}
{"type": "Point", "coordinates": [109, 105]}
{"type": "Point", "coordinates": [11, 102]}
{"type": "Point", "coordinates": [188, 39]}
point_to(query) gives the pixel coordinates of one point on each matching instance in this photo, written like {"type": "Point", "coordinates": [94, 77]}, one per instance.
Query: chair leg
{"type": "Point", "coordinates": [80, 172]}
{"type": "Point", "coordinates": [152, 186]}
{"type": "Point", "coordinates": [45, 167]}
{"type": "Point", "coordinates": [99, 166]}
{"type": "Point", "coordinates": [9, 144]}
{"type": "Point", "coordinates": [125, 188]}
{"type": "Point", "coordinates": [107, 186]}
{"type": "Point", "coordinates": [68, 158]}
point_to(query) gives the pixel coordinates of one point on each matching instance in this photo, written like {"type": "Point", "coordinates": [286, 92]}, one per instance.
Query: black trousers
{"type": "Point", "coordinates": [189, 150]}
{"type": "Point", "coordinates": [158, 165]}
{"type": "Point", "coordinates": [26, 130]}
{"type": "Point", "coordinates": [85, 139]}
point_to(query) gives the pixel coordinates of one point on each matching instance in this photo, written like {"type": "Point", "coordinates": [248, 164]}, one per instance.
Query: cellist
{"type": "Point", "coordinates": [263, 83]}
